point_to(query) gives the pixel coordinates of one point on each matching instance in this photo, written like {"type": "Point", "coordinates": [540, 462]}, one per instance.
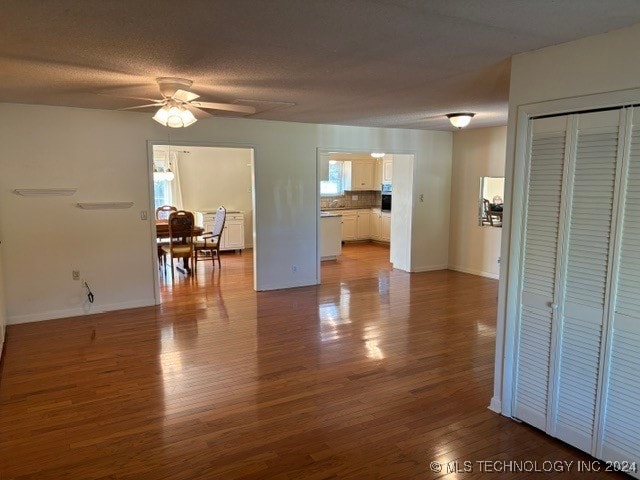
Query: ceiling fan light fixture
{"type": "Point", "coordinates": [460, 120]}
{"type": "Point", "coordinates": [188, 118]}
{"type": "Point", "coordinates": [174, 117]}
{"type": "Point", "coordinates": [377, 154]}
{"type": "Point", "coordinates": [162, 115]}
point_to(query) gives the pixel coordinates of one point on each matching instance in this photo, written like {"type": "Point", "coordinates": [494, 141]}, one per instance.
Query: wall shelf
{"type": "Point", "coordinates": [45, 192]}
{"type": "Point", "coordinates": [104, 205]}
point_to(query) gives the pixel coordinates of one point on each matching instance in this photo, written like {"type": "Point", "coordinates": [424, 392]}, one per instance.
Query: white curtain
{"type": "Point", "coordinates": [176, 189]}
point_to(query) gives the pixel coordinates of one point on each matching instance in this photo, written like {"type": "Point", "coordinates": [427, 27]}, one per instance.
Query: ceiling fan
{"type": "Point", "coordinates": [178, 105]}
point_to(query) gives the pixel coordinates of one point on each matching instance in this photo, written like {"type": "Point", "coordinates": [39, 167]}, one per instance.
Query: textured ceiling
{"type": "Point", "coordinates": [394, 63]}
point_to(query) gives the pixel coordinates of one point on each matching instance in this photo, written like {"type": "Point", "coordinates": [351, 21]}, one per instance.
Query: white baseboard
{"type": "Point", "coordinates": [429, 268]}
{"type": "Point", "coordinates": [472, 271]}
{"type": "Point", "coordinates": [264, 288]}
{"type": "Point", "coordinates": [495, 405]}
{"type": "Point", "coordinates": [78, 311]}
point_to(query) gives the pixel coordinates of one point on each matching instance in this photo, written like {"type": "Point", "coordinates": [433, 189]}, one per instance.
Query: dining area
{"type": "Point", "coordinates": [180, 238]}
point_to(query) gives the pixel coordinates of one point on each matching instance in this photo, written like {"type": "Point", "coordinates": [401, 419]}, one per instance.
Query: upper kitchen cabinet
{"type": "Point", "coordinates": [387, 168]}
{"type": "Point", "coordinates": [359, 175]}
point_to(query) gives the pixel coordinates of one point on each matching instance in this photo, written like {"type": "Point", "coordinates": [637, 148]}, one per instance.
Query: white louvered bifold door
{"type": "Point", "coordinates": [538, 282]}
{"type": "Point", "coordinates": [620, 434]}
{"type": "Point", "coordinates": [584, 276]}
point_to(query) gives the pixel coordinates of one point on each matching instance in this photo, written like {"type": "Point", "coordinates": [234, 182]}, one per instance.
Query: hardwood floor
{"type": "Point", "coordinates": [374, 374]}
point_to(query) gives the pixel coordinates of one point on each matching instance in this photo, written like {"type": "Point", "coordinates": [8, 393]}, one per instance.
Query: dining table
{"type": "Point", "coordinates": [162, 232]}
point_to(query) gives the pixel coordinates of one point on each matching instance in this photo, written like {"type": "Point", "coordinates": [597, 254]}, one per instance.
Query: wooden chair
{"type": "Point", "coordinates": [211, 241]}
{"type": "Point", "coordinates": [162, 214]}
{"type": "Point", "coordinates": [486, 212]}
{"type": "Point", "coordinates": [181, 244]}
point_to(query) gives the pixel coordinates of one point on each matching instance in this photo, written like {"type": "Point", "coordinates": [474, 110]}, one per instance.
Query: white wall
{"type": "Point", "coordinates": [210, 177]}
{"type": "Point", "coordinates": [402, 212]}
{"type": "Point", "coordinates": [477, 153]}
{"type": "Point", "coordinates": [592, 65]}
{"type": "Point", "coordinates": [104, 155]}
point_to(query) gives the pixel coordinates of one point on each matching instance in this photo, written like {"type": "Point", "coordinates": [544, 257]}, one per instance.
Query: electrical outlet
{"type": "Point", "coordinates": [143, 215]}
{"type": "Point", "coordinates": [294, 268]}
{"type": "Point", "coordinates": [354, 197]}
{"type": "Point", "coordinates": [75, 274]}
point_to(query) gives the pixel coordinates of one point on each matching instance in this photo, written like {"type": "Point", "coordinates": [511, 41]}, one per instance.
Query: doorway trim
{"type": "Point", "coordinates": [151, 214]}
{"type": "Point", "coordinates": [512, 236]}
{"type": "Point", "coordinates": [390, 151]}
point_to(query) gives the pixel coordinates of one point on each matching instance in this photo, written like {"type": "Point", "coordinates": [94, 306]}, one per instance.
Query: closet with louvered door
{"type": "Point", "coordinates": [584, 290]}
{"type": "Point", "coordinates": [546, 170]}
{"type": "Point", "coordinates": [578, 327]}
{"type": "Point", "coordinates": [620, 432]}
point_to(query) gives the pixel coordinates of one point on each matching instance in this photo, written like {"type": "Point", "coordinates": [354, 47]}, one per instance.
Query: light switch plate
{"type": "Point", "coordinates": [143, 215]}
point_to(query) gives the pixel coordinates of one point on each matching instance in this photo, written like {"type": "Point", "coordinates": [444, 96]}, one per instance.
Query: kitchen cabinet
{"type": "Point", "coordinates": [359, 175]}
{"type": "Point", "coordinates": [385, 227]}
{"type": "Point", "coordinates": [349, 225]}
{"type": "Point", "coordinates": [387, 169]}
{"type": "Point", "coordinates": [377, 178]}
{"type": "Point", "coordinates": [232, 237]}
{"type": "Point", "coordinates": [364, 224]}
{"type": "Point", "coordinates": [330, 236]}
{"type": "Point", "coordinates": [376, 223]}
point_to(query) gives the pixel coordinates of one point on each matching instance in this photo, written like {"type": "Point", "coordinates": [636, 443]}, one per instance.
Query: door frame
{"type": "Point", "coordinates": [186, 144]}
{"type": "Point", "coordinates": [513, 227]}
{"type": "Point", "coordinates": [390, 151]}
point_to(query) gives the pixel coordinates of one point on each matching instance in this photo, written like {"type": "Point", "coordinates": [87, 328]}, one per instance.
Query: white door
{"type": "Point", "coordinates": [620, 435]}
{"type": "Point", "coordinates": [385, 227]}
{"type": "Point", "coordinates": [362, 175]}
{"type": "Point", "coordinates": [234, 236]}
{"type": "Point", "coordinates": [538, 284]}
{"type": "Point", "coordinates": [582, 313]}
{"type": "Point", "coordinates": [350, 227]}
{"type": "Point", "coordinates": [375, 225]}
{"type": "Point", "coordinates": [364, 225]}
{"type": "Point", "coordinates": [387, 170]}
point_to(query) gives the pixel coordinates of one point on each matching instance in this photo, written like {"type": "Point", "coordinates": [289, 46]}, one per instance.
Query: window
{"type": "Point", "coordinates": [333, 185]}
{"type": "Point", "coordinates": [162, 192]}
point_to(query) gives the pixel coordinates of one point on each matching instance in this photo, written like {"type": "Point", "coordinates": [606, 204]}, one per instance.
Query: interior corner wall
{"type": "Point", "coordinates": [592, 65]}
{"type": "Point", "coordinates": [477, 153]}
{"type": "Point", "coordinates": [104, 155]}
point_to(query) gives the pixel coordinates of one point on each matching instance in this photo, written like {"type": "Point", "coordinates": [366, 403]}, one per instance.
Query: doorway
{"type": "Point", "coordinates": [199, 179]}
{"type": "Point", "coordinates": [364, 205]}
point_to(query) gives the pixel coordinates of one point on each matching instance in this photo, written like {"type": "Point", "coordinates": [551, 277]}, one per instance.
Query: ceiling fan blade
{"type": "Point", "coordinates": [199, 114]}
{"type": "Point", "coordinates": [158, 104]}
{"type": "Point", "coordinates": [185, 96]}
{"type": "Point", "coordinates": [131, 98]}
{"type": "Point", "coordinates": [228, 107]}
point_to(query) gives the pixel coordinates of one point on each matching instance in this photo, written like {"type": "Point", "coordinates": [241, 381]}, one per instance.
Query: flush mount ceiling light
{"type": "Point", "coordinates": [460, 120]}
{"type": "Point", "coordinates": [377, 154]}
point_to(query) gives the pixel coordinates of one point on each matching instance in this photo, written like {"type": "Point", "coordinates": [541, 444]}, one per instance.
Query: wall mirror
{"type": "Point", "coordinates": [490, 203]}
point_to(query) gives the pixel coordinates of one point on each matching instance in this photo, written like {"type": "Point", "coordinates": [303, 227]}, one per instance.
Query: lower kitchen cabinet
{"type": "Point", "coordinates": [385, 227]}
{"type": "Point", "coordinates": [369, 224]}
{"type": "Point", "coordinates": [233, 233]}
{"type": "Point", "coordinates": [349, 226]}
